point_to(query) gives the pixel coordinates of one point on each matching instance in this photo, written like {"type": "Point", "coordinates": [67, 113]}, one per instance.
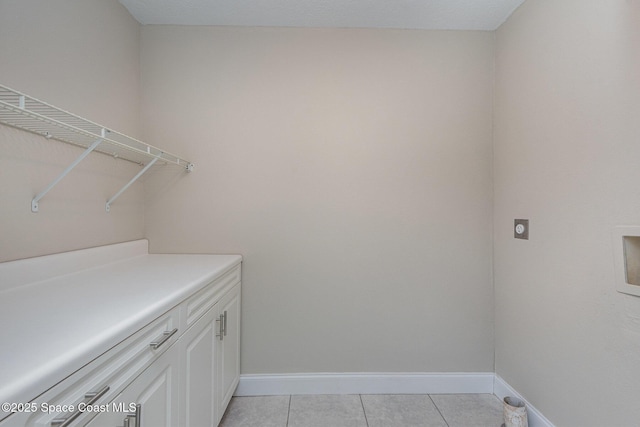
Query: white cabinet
{"type": "Point", "coordinates": [198, 366]}
{"type": "Point", "coordinates": [102, 380]}
{"type": "Point", "coordinates": [179, 370]}
{"type": "Point", "coordinates": [156, 392]}
{"type": "Point", "coordinates": [151, 400]}
{"type": "Point", "coordinates": [192, 383]}
{"type": "Point", "coordinates": [210, 362]}
{"type": "Point", "coordinates": [229, 348]}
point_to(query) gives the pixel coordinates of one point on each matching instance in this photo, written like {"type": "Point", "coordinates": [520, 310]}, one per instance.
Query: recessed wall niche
{"type": "Point", "coordinates": [626, 248]}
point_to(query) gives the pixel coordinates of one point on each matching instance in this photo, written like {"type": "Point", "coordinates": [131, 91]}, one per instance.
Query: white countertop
{"type": "Point", "coordinates": [53, 326]}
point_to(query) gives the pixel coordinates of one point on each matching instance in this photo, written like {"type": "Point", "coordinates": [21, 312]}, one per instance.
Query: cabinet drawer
{"type": "Point", "coordinates": [197, 305]}
{"type": "Point", "coordinates": [104, 378]}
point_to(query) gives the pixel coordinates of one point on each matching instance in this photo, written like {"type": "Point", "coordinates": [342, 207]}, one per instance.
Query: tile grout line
{"type": "Point", "coordinates": [438, 409]}
{"type": "Point", "coordinates": [288, 411]}
{"type": "Point", "coordinates": [363, 411]}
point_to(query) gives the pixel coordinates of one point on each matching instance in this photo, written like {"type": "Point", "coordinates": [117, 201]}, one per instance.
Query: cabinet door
{"type": "Point", "coordinates": [229, 348]}
{"type": "Point", "coordinates": [151, 400]}
{"type": "Point", "coordinates": [198, 370]}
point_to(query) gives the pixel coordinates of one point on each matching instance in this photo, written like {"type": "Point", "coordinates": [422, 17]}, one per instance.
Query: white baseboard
{"type": "Point", "coordinates": [365, 383]}
{"type": "Point", "coordinates": [502, 389]}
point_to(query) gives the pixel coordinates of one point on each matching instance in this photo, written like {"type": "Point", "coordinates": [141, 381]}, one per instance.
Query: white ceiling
{"type": "Point", "coordinates": [409, 14]}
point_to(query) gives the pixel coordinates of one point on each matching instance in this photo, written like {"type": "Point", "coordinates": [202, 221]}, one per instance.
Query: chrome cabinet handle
{"type": "Point", "coordinates": [225, 323]}
{"type": "Point", "coordinates": [89, 399]}
{"type": "Point", "coordinates": [220, 320]}
{"type": "Point", "coordinates": [136, 417]}
{"type": "Point", "coordinates": [162, 339]}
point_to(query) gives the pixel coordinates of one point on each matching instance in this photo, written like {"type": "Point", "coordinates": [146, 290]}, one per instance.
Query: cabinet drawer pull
{"type": "Point", "coordinates": [225, 323]}
{"type": "Point", "coordinates": [162, 339]}
{"type": "Point", "coordinates": [136, 417]}
{"type": "Point", "coordinates": [220, 320]}
{"type": "Point", "coordinates": [89, 399]}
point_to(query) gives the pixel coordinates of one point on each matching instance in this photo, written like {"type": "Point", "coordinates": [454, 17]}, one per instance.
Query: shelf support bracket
{"type": "Point", "coordinates": [134, 179]}
{"type": "Point", "coordinates": [34, 202]}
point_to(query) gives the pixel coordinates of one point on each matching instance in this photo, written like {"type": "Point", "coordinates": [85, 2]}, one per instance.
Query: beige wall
{"type": "Point", "coordinates": [566, 156]}
{"type": "Point", "coordinates": [352, 169]}
{"type": "Point", "coordinates": [83, 56]}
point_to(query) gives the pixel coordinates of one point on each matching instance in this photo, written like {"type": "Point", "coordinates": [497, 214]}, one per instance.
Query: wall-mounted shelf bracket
{"type": "Point", "coordinates": [85, 153]}
{"type": "Point", "coordinates": [188, 168]}
{"type": "Point", "coordinates": [134, 179]}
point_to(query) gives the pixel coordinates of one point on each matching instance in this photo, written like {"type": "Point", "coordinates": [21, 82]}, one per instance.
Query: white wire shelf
{"type": "Point", "coordinates": [30, 114]}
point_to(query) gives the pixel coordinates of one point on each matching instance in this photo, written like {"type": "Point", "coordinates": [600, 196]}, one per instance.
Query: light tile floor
{"type": "Point", "coordinates": [353, 410]}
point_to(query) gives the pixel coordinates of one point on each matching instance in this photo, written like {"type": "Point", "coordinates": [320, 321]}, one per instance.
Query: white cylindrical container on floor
{"type": "Point", "coordinates": [515, 413]}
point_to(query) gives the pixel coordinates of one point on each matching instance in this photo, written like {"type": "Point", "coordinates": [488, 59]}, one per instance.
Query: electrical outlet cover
{"type": "Point", "coordinates": [521, 229]}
